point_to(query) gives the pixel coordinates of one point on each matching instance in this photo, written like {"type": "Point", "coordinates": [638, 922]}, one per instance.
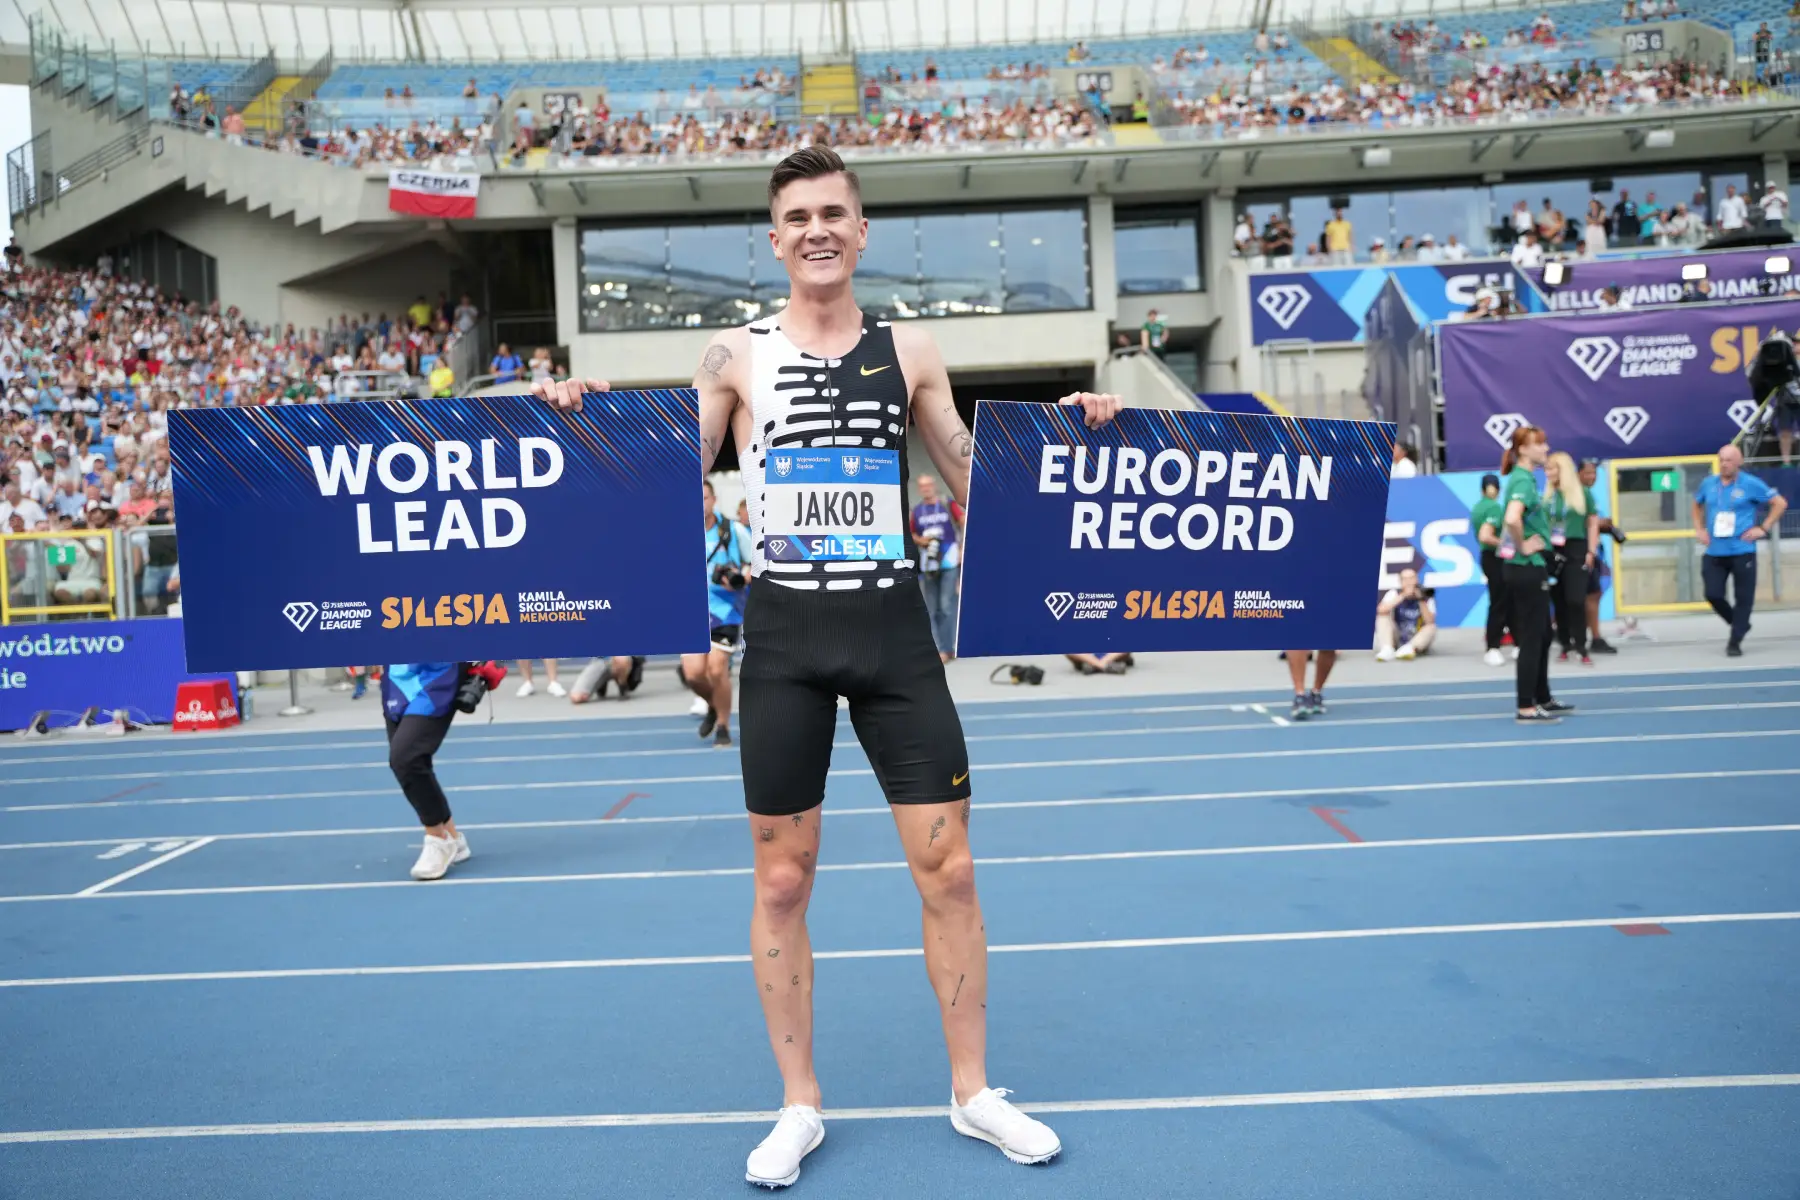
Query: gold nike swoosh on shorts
{"type": "Point", "coordinates": [958, 780]}
{"type": "Point", "coordinates": [876, 371]}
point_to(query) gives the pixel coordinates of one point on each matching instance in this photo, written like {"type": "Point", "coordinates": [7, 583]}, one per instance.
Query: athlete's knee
{"type": "Point", "coordinates": [949, 878]}
{"type": "Point", "coordinates": [783, 886]}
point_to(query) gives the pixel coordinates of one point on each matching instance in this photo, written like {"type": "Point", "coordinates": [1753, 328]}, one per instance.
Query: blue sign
{"type": "Point", "coordinates": [433, 530]}
{"type": "Point", "coordinates": [1332, 304]}
{"type": "Point", "coordinates": [1170, 530]}
{"type": "Point", "coordinates": [1428, 530]}
{"type": "Point", "coordinates": [70, 666]}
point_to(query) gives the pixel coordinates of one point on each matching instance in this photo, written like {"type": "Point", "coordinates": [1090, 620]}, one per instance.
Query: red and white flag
{"type": "Point", "coordinates": [433, 193]}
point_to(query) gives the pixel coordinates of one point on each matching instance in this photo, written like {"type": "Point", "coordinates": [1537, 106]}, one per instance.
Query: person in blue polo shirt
{"type": "Point", "coordinates": [1725, 523]}
{"type": "Point", "coordinates": [419, 702]}
{"type": "Point", "coordinates": [708, 675]}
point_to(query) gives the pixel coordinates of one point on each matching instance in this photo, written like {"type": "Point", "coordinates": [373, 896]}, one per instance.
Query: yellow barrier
{"type": "Point", "coordinates": [53, 557]}
{"type": "Point", "coordinates": [1671, 544]}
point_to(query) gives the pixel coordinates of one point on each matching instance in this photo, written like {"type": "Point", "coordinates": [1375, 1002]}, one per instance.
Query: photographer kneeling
{"type": "Point", "coordinates": [419, 701]}
{"type": "Point", "coordinates": [1405, 620]}
{"type": "Point", "coordinates": [708, 675]}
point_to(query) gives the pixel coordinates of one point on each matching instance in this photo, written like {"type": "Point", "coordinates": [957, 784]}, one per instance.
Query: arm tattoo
{"type": "Point", "coordinates": [766, 832]}
{"type": "Point", "coordinates": [714, 361]}
{"type": "Point", "coordinates": [937, 827]}
{"type": "Point", "coordinates": [963, 444]}
{"type": "Point", "coordinates": [709, 450]}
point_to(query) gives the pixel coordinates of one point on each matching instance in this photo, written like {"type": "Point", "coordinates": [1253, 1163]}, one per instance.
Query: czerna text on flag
{"type": "Point", "coordinates": [1160, 525]}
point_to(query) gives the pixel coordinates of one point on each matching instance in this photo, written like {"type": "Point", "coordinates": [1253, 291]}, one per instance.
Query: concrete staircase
{"type": "Point", "coordinates": [829, 90]}
{"type": "Point", "coordinates": [263, 114]}
{"type": "Point", "coordinates": [1349, 61]}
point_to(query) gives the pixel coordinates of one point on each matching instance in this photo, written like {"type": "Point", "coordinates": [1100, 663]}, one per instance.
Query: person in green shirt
{"type": "Point", "coordinates": [1486, 519]}
{"type": "Point", "coordinates": [1154, 335]}
{"type": "Point", "coordinates": [1575, 535]}
{"type": "Point", "coordinates": [1525, 524]}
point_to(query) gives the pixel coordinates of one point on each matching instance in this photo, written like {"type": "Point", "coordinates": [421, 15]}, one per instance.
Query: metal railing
{"type": "Point", "coordinates": [374, 385]}
{"type": "Point", "coordinates": [27, 165]}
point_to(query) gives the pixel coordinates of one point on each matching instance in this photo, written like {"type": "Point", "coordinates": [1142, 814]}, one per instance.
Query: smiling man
{"type": "Point", "coordinates": [817, 399]}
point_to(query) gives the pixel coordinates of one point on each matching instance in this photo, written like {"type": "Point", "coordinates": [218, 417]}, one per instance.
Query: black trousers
{"type": "Point", "coordinates": [1499, 618]}
{"type": "Point", "coordinates": [1530, 607]}
{"type": "Point", "coordinates": [1569, 596]}
{"type": "Point", "coordinates": [1740, 569]}
{"type": "Point", "coordinates": [411, 743]}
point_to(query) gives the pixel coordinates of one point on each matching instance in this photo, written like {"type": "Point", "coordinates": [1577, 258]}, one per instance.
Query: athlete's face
{"type": "Point", "coordinates": [819, 231]}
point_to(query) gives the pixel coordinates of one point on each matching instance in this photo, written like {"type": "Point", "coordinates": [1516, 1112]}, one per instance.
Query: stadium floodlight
{"type": "Point", "coordinates": [1693, 272]}
{"type": "Point", "coordinates": [1778, 265]}
{"type": "Point", "coordinates": [1377, 156]}
{"type": "Point", "coordinates": [1555, 274]}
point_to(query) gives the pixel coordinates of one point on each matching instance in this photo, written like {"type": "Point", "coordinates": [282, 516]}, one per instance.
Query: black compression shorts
{"type": "Point", "coordinates": [872, 646]}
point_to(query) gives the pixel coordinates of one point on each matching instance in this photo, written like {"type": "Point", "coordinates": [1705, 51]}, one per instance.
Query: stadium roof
{"type": "Point", "coordinates": [482, 30]}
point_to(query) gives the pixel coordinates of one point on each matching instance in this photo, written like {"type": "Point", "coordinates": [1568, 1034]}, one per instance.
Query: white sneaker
{"type": "Point", "coordinates": [462, 850]}
{"type": "Point", "coordinates": [1406, 653]}
{"type": "Point", "coordinates": [1384, 655]}
{"type": "Point", "coordinates": [1494, 658]}
{"type": "Point", "coordinates": [991, 1118]}
{"type": "Point", "coordinates": [435, 857]}
{"type": "Point", "coordinates": [697, 708]}
{"type": "Point", "coordinates": [525, 689]}
{"type": "Point", "coordinates": [557, 689]}
{"type": "Point", "coordinates": [775, 1162]}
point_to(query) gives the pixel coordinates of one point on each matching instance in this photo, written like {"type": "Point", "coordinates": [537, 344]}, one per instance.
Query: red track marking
{"type": "Point", "coordinates": [618, 808]}
{"type": "Point", "coordinates": [1642, 930]}
{"type": "Point", "coordinates": [121, 795]}
{"type": "Point", "coordinates": [1328, 815]}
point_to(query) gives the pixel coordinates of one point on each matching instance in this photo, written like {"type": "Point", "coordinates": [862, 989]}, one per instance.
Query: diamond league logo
{"type": "Point", "coordinates": [1742, 413]}
{"type": "Point", "coordinates": [1059, 603]}
{"type": "Point", "coordinates": [300, 613]}
{"type": "Point", "coordinates": [1284, 302]}
{"type": "Point", "coordinates": [778, 546]}
{"type": "Point", "coordinates": [1627, 422]}
{"type": "Point", "coordinates": [1593, 355]}
{"type": "Point", "coordinates": [1500, 426]}
{"type": "Point", "coordinates": [783, 465]}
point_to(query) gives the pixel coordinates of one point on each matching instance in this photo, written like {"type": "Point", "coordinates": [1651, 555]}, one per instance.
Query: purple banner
{"type": "Point", "coordinates": [1735, 275]}
{"type": "Point", "coordinates": [1612, 385]}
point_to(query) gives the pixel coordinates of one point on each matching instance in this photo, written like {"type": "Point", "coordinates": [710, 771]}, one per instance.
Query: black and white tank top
{"type": "Point", "coordinates": [825, 473]}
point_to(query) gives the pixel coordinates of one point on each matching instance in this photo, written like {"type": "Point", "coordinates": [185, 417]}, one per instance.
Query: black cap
{"type": "Point", "coordinates": [1488, 481]}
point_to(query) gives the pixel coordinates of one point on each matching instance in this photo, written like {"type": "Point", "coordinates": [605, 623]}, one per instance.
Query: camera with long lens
{"type": "Point", "coordinates": [726, 575]}
{"type": "Point", "coordinates": [1775, 370]}
{"type": "Point", "coordinates": [478, 680]}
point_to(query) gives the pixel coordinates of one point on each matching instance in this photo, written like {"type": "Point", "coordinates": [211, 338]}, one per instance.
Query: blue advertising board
{"type": "Point", "coordinates": [1331, 304]}
{"type": "Point", "coordinates": [1170, 530]}
{"type": "Point", "coordinates": [67, 667]}
{"type": "Point", "coordinates": [433, 530]}
{"type": "Point", "coordinates": [1428, 530]}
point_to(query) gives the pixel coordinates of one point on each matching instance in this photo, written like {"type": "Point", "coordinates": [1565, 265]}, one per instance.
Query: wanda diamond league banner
{"type": "Point", "coordinates": [1661, 382]}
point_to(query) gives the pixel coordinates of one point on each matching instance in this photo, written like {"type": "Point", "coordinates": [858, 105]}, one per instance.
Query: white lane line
{"type": "Point", "coordinates": [229, 747]}
{"type": "Point", "coordinates": [1015, 860]}
{"type": "Point", "coordinates": [166, 845]}
{"type": "Point", "coordinates": [1214, 939]}
{"type": "Point", "coordinates": [516, 787]}
{"type": "Point", "coordinates": [1455, 1091]}
{"type": "Point", "coordinates": [151, 865]}
{"type": "Point", "coordinates": [1455, 785]}
{"type": "Point", "coordinates": [1281, 722]}
{"type": "Point", "coordinates": [120, 851]}
{"type": "Point", "coordinates": [852, 744]}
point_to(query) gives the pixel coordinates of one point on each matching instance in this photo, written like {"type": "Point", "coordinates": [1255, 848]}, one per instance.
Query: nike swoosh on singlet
{"type": "Point", "coordinates": [954, 782]}
{"type": "Point", "coordinates": [876, 371]}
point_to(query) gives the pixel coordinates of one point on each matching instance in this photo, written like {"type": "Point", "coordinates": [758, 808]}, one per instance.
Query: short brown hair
{"type": "Point", "coordinates": [813, 162]}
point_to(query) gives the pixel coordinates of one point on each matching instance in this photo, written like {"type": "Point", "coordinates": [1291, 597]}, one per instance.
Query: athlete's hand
{"type": "Point", "coordinates": [567, 394]}
{"type": "Point", "coordinates": [1097, 408]}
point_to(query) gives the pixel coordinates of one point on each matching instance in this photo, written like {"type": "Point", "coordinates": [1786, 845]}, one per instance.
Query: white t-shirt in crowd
{"type": "Point", "coordinates": [1733, 212]}
{"type": "Point", "coordinates": [1774, 205]}
{"type": "Point", "coordinates": [1404, 469]}
{"type": "Point", "coordinates": [1527, 254]}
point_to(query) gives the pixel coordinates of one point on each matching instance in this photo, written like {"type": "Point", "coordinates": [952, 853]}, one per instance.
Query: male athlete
{"type": "Point", "coordinates": [817, 399]}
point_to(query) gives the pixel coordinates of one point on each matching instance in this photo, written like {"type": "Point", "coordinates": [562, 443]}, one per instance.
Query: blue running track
{"type": "Point", "coordinates": [1406, 949]}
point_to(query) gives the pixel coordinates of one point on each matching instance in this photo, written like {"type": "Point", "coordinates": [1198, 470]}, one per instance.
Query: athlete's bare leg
{"type": "Point", "coordinates": [787, 855]}
{"type": "Point", "coordinates": [936, 840]}
{"type": "Point", "coordinates": [1323, 661]}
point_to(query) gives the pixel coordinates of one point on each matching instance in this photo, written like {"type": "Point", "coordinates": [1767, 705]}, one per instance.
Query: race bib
{"type": "Point", "coordinates": [1724, 524]}
{"type": "Point", "coordinates": [833, 505]}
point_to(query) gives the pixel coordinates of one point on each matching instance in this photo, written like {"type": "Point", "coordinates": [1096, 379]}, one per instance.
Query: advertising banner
{"type": "Point", "coordinates": [1428, 530]}
{"type": "Point", "coordinates": [1397, 371]}
{"type": "Point", "coordinates": [1641, 385]}
{"type": "Point", "coordinates": [1170, 530]}
{"type": "Point", "coordinates": [435, 530]}
{"type": "Point", "coordinates": [66, 667]}
{"type": "Point", "coordinates": [1331, 304]}
{"type": "Point", "coordinates": [1735, 275]}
